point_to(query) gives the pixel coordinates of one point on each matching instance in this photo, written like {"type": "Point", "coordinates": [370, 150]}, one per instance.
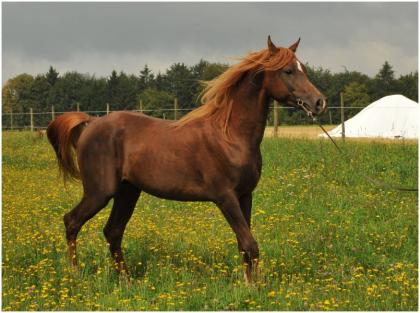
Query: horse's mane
{"type": "Point", "coordinates": [216, 98]}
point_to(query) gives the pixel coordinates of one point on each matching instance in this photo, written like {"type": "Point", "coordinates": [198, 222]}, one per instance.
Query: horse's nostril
{"type": "Point", "coordinates": [319, 105]}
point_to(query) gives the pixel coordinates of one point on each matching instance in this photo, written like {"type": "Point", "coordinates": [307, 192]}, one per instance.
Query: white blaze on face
{"type": "Point", "coordinates": [299, 66]}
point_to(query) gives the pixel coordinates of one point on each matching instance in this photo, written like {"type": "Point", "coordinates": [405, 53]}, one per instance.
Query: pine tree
{"type": "Point", "coordinates": [181, 84]}
{"type": "Point", "coordinates": [146, 78]}
{"type": "Point", "coordinates": [52, 76]}
{"type": "Point", "coordinates": [384, 83]}
{"type": "Point", "coordinates": [386, 74]}
{"type": "Point", "coordinates": [112, 86]}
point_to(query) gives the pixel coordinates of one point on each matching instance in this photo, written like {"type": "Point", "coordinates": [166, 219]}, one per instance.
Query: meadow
{"type": "Point", "coordinates": [329, 239]}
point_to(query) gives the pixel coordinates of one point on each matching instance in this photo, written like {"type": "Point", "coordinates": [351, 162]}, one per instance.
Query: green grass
{"type": "Point", "coordinates": [329, 240]}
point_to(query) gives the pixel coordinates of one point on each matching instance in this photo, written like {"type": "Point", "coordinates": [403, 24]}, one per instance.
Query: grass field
{"type": "Point", "coordinates": [329, 240]}
{"type": "Point", "coordinates": [300, 131]}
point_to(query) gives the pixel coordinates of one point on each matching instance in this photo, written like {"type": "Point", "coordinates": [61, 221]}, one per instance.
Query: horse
{"type": "Point", "coordinates": [211, 154]}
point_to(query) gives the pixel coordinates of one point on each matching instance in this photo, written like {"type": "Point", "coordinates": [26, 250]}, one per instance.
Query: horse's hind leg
{"type": "Point", "coordinates": [76, 218]}
{"type": "Point", "coordinates": [124, 202]}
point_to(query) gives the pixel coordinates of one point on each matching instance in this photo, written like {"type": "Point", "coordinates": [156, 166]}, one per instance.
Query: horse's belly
{"type": "Point", "coordinates": [173, 194]}
{"type": "Point", "coordinates": [168, 179]}
{"type": "Point", "coordinates": [173, 190]}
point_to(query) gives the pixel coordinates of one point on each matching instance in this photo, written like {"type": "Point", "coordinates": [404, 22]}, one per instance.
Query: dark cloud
{"type": "Point", "coordinates": [359, 36]}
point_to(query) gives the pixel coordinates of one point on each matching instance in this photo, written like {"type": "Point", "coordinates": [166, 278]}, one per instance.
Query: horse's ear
{"type": "Point", "coordinates": [271, 47]}
{"type": "Point", "coordinates": [295, 45]}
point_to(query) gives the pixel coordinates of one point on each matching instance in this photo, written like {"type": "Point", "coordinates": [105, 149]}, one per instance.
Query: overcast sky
{"type": "Point", "coordinates": [96, 38]}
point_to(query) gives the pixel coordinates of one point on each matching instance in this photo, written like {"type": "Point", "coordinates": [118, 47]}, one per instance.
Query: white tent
{"type": "Point", "coordinates": [389, 117]}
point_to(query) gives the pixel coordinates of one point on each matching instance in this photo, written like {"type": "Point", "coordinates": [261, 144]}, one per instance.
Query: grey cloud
{"type": "Point", "coordinates": [60, 33]}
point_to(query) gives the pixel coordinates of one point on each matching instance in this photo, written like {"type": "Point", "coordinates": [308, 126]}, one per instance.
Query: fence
{"type": "Point", "coordinates": [278, 115]}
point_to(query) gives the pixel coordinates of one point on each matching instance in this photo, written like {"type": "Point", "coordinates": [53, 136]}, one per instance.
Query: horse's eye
{"type": "Point", "coordinates": [288, 72]}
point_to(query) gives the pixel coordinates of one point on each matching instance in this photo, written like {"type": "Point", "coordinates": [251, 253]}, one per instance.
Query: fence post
{"type": "Point", "coordinates": [77, 106]}
{"type": "Point", "coordinates": [141, 105]}
{"type": "Point", "coordinates": [52, 113]}
{"type": "Point", "coordinates": [276, 118]}
{"type": "Point", "coordinates": [176, 108]}
{"type": "Point", "coordinates": [343, 129]}
{"type": "Point", "coordinates": [31, 112]}
{"type": "Point", "coordinates": [107, 108]}
{"type": "Point", "coordinates": [11, 119]}
{"type": "Point", "coordinates": [329, 113]}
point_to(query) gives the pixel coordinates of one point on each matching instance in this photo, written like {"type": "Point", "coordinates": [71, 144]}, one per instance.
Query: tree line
{"type": "Point", "coordinates": [157, 92]}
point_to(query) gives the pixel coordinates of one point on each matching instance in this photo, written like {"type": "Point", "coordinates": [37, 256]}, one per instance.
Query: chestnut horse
{"type": "Point", "coordinates": [212, 154]}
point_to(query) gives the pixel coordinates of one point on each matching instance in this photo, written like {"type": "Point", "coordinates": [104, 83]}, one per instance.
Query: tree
{"type": "Point", "coordinates": [386, 74]}
{"type": "Point", "coordinates": [205, 71]}
{"type": "Point", "coordinates": [127, 88]}
{"type": "Point", "coordinates": [156, 101]}
{"type": "Point", "coordinates": [40, 89]}
{"type": "Point", "coordinates": [213, 70]}
{"type": "Point", "coordinates": [161, 83]}
{"type": "Point", "coordinates": [407, 85]}
{"type": "Point", "coordinates": [122, 91]}
{"type": "Point", "coordinates": [52, 76]}
{"type": "Point", "coordinates": [112, 87]}
{"type": "Point", "coordinates": [97, 96]}
{"type": "Point", "coordinates": [384, 83]}
{"type": "Point", "coordinates": [146, 79]}
{"type": "Point", "coordinates": [93, 93]}
{"type": "Point", "coordinates": [17, 93]}
{"type": "Point", "coordinates": [182, 84]}
{"type": "Point", "coordinates": [198, 69]}
{"type": "Point", "coordinates": [66, 92]}
{"type": "Point", "coordinates": [356, 95]}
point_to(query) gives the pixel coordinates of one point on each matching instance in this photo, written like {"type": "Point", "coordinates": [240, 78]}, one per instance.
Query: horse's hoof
{"type": "Point", "coordinates": [247, 278]}
{"type": "Point", "coordinates": [125, 278]}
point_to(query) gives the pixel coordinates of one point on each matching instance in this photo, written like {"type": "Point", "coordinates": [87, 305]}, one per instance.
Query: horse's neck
{"type": "Point", "coordinates": [249, 113]}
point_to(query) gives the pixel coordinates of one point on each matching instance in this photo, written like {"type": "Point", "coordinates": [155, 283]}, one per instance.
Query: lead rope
{"type": "Point", "coordinates": [372, 180]}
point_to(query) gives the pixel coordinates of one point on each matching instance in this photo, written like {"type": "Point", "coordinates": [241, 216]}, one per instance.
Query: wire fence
{"type": "Point", "coordinates": [278, 115]}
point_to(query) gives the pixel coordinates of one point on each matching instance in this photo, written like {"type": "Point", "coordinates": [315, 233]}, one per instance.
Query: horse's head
{"type": "Point", "coordinates": [289, 84]}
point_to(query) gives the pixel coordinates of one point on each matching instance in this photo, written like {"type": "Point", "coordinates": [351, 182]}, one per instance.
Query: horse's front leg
{"type": "Point", "coordinates": [251, 265]}
{"type": "Point", "coordinates": [230, 206]}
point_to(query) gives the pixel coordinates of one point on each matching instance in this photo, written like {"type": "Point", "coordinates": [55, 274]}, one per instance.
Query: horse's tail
{"type": "Point", "coordinates": [63, 134]}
